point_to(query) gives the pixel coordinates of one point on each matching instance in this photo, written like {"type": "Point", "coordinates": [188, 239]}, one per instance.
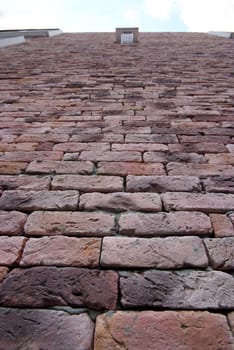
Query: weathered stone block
{"type": "Point", "coordinates": [220, 251]}
{"type": "Point", "coordinates": [52, 286]}
{"type": "Point", "coordinates": [70, 223]}
{"type": "Point", "coordinates": [121, 201]}
{"type": "Point", "coordinates": [10, 248]}
{"type": "Point", "coordinates": [11, 223]}
{"type": "Point", "coordinates": [44, 329]}
{"type": "Point", "coordinates": [184, 289]}
{"type": "Point", "coordinates": [161, 253]}
{"type": "Point", "coordinates": [59, 167]}
{"type": "Point", "coordinates": [222, 225]}
{"type": "Point", "coordinates": [166, 330]}
{"type": "Point", "coordinates": [130, 168]}
{"type": "Point", "coordinates": [61, 251]}
{"type": "Point", "coordinates": [178, 223]}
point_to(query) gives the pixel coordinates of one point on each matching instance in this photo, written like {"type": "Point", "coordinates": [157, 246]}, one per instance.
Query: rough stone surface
{"type": "Point", "coordinates": [185, 289]}
{"type": "Point", "coordinates": [161, 253]}
{"type": "Point", "coordinates": [178, 223]}
{"type": "Point", "coordinates": [10, 248]}
{"type": "Point", "coordinates": [221, 253]}
{"type": "Point", "coordinates": [56, 167]}
{"type": "Point", "coordinates": [168, 330]}
{"type": "Point", "coordinates": [44, 329]}
{"type": "Point", "coordinates": [11, 223]}
{"type": "Point", "coordinates": [12, 167]}
{"type": "Point", "coordinates": [222, 225]}
{"type": "Point", "coordinates": [22, 182]}
{"type": "Point", "coordinates": [70, 223]}
{"type": "Point", "coordinates": [221, 184]}
{"type": "Point", "coordinates": [39, 200]}
{"type": "Point", "coordinates": [130, 168]}
{"type": "Point", "coordinates": [65, 286]}
{"type": "Point", "coordinates": [231, 321]}
{"type": "Point", "coordinates": [61, 251]}
{"type": "Point", "coordinates": [162, 184]}
{"type": "Point", "coordinates": [88, 183]}
{"type": "Point", "coordinates": [150, 202]}
{"type": "Point", "coordinates": [200, 169]}
{"type": "Point", "coordinates": [209, 203]}
{"type": "Point", "coordinates": [3, 273]}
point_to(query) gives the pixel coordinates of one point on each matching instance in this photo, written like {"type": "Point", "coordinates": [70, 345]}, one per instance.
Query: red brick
{"type": "Point", "coordinates": [62, 251]}
{"type": "Point", "coordinates": [69, 223]}
{"type": "Point", "coordinates": [22, 182]}
{"type": "Point", "coordinates": [10, 248]}
{"type": "Point", "coordinates": [81, 146]}
{"type": "Point", "coordinates": [39, 200]}
{"type": "Point", "coordinates": [167, 330]}
{"type": "Point", "coordinates": [30, 156]}
{"type": "Point", "coordinates": [183, 289]}
{"type": "Point", "coordinates": [200, 169]}
{"type": "Point", "coordinates": [129, 168]}
{"type": "Point", "coordinates": [208, 203]}
{"type": "Point", "coordinates": [45, 328]}
{"type": "Point", "coordinates": [98, 156]}
{"type": "Point", "coordinates": [160, 253]}
{"type": "Point", "coordinates": [162, 224]}
{"type": "Point", "coordinates": [12, 167]}
{"type": "Point", "coordinates": [156, 138]}
{"type": "Point", "coordinates": [201, 147]}
{"type": "Point", "coordinates": [120, 201]}
{"type": "Point", "coordinates": [46, 286]}
{"type": "Point", "coordinates": [88, 183]}
{"type": "Point", "coordinates": [60, 167]}
{"type": "Point", "coordinates": [220, 252]}
{"type": "Point", "coordinates": [11, 223]}
{"type": "Point", "coordinates": [162, 183]}
{"type": "Point", "coordinates": [222, 225]}
{"type": "Point", "coordinates": [141, 147]}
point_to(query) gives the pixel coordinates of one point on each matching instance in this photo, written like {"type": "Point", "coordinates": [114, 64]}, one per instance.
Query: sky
{"type": "Point", "coordinates": [106, 15]}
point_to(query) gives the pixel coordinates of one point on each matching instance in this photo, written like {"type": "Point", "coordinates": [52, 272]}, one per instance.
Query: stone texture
{"type": "Point", "coordinates": [12, 167]}
{"type": "Point", "coordinates": [168, 330]}
{"type": "Point", "coordinates": [22, 182]}
{"type": "Point", "coordinates": [81, 146]}
{"type": "Point", "coordinates": [231, 321]}
{"type": "Point", "coordinates": [225, 158]}
{"type": "Point", "coordinates": [61, 251]}
{"type": "Point", "coordinates": [3, 273]}
{"type": "Point", "coordinates": [209, 202]}
{"type": "Point", "coordinates": [185, 289]}
{"type": "Point", "coordinates": [11, 223]}
{"type": "Point", "coordinates": [120, 201]}
{"type": "Point", "coordinates": [220, 252]}
{"type": "Point", "coordinates": [10, 249]}
{"type": "Point", "coordinates": [178, 223]}
{"type": "Point", "coordinates": [200, 169]}
{"type": "Point", "coordinates": [70, 223]}
{"type": "Point", "coordinates": [65, 286]}
{"type": "Point", "coordinates": [223, 184]}
{"type": "Point", "coordinates": [44, 329]}
{"type": "Point", "coordinates": [21, 156]}
{"type": "Point", "coordinates": [162, 184]}
{"type": "Point", "coordinates": [130, 168]}
{"type": "Point", "coordinates": [160, 157]}
{"type": "Point", "coordinates": [60, 167]}
{"type": "Point", "coordinates": [39, 200]}
{"type": "Point", "coordinates": [84, 183]}
{"type": "Point", "coordinates": [111, 156]}
{"type": "Point", "coordinates": [222, 225]}
{"type": "Point", "coordinates": [161, 253]}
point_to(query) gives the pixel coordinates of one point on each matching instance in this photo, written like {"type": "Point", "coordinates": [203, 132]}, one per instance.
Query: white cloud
{"type": "Point", "coordinates": [206, 15]}
{"type": "Point", "coordinates": [132, 15]}
{"type": "Point", "coordinates": [160, 9]}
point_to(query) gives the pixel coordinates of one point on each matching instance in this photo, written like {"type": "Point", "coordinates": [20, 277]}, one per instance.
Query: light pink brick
{"type": "Point", "coordinates": [10, 248]}
{"type": "Point", "coordinates": [111, 156]}
{"type": "Point", "coordinates": [12, 223]}
{"type": "Point", "coordinates": [220, 251]}
{"type": "Point", "coordinates": [129, 168]}
{"type": "Point", "coordinates": [222, 224]}
{"type": "Point", "coordinates": [60, 167]}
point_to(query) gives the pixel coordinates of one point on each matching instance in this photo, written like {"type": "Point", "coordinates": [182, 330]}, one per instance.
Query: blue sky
{"type": "Point", "coordinates": [106, 15]}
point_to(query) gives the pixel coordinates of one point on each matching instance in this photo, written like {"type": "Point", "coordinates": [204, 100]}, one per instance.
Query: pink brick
{"type": "Point", "coordinates": [156, 138]}
{"type": "Point", "coordinates": [69, 224]}
{"type": "Point", "coordinates": [121, 201]}
{"type": "Point", "coordinates": [167, 330]}
{"type": "Point", "coordinates": [130, 168]}
{"type": "Point", "coordinates": [141, 147]}
{"type": "Point", "coordinates": [3, 273]}
{"type": "Point", "coordinates": [12, 167]}
{"type": "Point", "coordinates": [10, 248]}
{"type": "Point", "coordinates": [62, 251]}
{"type": "Point", "coordinates": [84, 183]}
{"type": "Point", "coordinates": [178, 223]}
{"type": "Point", "coordinates": [12, 223]}
{"type": "Point", "coordinates": [209, 203]}
{"type": "Point", "coordinates": [23, 182]}
{"type": "Point", "coordinates": [222, 225]}
{"type": "Point", "coordinates": [200, 169]}
{"type": "Point", "coordinates": [43, 138]}
{"type": "Point", "coordinates": [225, 158]}
{"type": "Point", "coordinates": [98, 156]}
{"type": "Point", "coordinates": [201, 147]}
{"type": "Point", "coordinates": [126, 252]}
{"type": "Point", "coordinates": [81, 146]}
{"type": "Point", "coordinates": [30, 156]}
{"type": "Point", "coordinates": [220, 252]}
{"type": "Point", "coordinates": [60, 167]}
